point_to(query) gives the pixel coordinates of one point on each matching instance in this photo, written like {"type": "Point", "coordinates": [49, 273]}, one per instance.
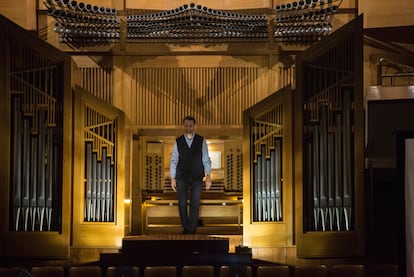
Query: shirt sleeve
{"type": "Point", "coordinates": [206, 158]}
{"type": "Point", "coordinates": [174, 161]}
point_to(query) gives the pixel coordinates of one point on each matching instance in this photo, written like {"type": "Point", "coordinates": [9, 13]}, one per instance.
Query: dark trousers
{"type": "Point", "coordinates": [189, 218]}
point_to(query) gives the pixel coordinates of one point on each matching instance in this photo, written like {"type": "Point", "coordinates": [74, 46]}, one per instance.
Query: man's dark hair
{"type": "Point", "coordinates": [189, 117]}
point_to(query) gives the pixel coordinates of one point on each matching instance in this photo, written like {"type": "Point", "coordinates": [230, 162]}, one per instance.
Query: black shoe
{"type": "Point", "coordinates": [185, 231]}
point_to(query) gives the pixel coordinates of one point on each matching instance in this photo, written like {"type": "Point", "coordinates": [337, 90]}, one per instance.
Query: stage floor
{"type": "Point", "coordinates": [234, 240]}
{"type": "Point", "coordinates": [179, 250]}
{"type": "Point", "coordinates": [204, 230]}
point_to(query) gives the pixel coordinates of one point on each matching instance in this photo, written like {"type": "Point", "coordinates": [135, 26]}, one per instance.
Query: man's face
{"type": "Point", "coordinates": [188, 126]}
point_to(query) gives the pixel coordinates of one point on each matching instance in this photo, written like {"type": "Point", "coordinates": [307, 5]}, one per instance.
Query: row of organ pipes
{"type": "Point", "coordinates": [99, 196]}
{"type": "Point", "coordinates": [37, 142]}
{"type": "Point", "coordinates": [268, 185]}
{"type": "Point", "coordinates": [329, 175]}
{"type": "Point", "coordinates": [303, 22]}
{"type": "Point", "coordinates": [36, 147]}
{"type": "Point", "coordinates": [267, 171]}
{"type": "Point", "coordinates": [80, 23]}
{"type": "Point", "coordinates": [100, 153]}
{"type": "Point", "coordinates": [196, 21]}
{"type": "Point", "coordinates": [33, 177]}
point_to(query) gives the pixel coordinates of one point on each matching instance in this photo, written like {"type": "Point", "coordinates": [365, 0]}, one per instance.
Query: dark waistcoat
{"type": "Point", "coordinates": [190, 165]}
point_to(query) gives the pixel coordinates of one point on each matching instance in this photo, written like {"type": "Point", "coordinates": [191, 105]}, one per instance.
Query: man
{"type": "Point", "coordinates": [189, 162]}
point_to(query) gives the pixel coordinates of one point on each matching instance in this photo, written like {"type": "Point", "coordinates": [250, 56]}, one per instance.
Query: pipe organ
{"type": "Point", "coordinates": [267, 166]}
{"type": "Point", "coordinates": [304, 21]}
{"type": "Point", "coordinates": [328, 143]}
{"type": "Point", "coordinates": [329, 146]}
{"type": "Point", "coordinates": [84, 24]}
{"type": "Point", "coordinates": [36, 138]}
{"type": "Point", "coordinates": [192, 22]}
{"type": "Point", "coordinates": [299, 22]}
{"type": "Point", "coordinates": [99, 147]}
{"type": "Point", "coordinates": [267, 181]}
{"type": "Point", "coordinates": [100, 134]}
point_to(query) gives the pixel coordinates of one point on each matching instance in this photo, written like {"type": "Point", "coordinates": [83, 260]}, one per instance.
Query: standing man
{"type": "Point", "coordinates": [189, 162]}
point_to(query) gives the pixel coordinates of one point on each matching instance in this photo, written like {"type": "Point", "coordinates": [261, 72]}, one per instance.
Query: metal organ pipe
{"type": "Point", "coordinates": [347, 178]}
{"type": "Point", "coordinates": [17, 162]}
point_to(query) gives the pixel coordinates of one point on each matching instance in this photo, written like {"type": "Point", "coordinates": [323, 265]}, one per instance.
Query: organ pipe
{"type": "Point", "coordinates": [304, 22]}
{"type": "Point", "coordinates": [33, 196]}
{"type": "Point", "coordinates": [267, 150]}
{"type": "Point", "coordinates": [35, 144]}
{"type": "Point", "coordinates": [328, 145]}
{"type": "Point", "coordinates": [294, 22]}
{"type": "Point", "coordinates": [99, 137]}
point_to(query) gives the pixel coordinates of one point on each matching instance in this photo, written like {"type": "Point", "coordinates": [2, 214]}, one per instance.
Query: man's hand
{"type": "Point", "coordinates": [174, 184]}
{"type": "Point", "coordinates": [208, 182]}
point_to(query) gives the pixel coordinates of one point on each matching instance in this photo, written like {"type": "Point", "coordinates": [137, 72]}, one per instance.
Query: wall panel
{"type": "Point", "coordinates": [160, 91]}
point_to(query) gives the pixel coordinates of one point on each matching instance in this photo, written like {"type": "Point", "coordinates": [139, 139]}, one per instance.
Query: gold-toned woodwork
{"type": "Point", "coordinates": [98, 129]}
{"type": "Point", "coordinates": [385, 14]}
{"type": "Point", "coordinates": [157, 92]}
{"type": "Point", "coordinates": [207, 93]}
{"type": "Point", "coordinates": [98, 81]}
{"type": "Point", "coordinates": [259, 139]}
{"type": "Point", "coordinates": [287, 75]}
{"type": "Point", "coordinates": [216, 4]}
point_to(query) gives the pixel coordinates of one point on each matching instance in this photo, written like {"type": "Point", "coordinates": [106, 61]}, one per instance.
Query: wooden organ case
{"type": "Point", "coordinates": [267, 147]}
{"type": "Point", "coordinates": [35, 144]}
{"type": "Point", "coordinates": [221, 206]}
{"type": "Point", "coordinates": [329, 146]}
{"type": "Point", "coordinates": [99, 172]}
